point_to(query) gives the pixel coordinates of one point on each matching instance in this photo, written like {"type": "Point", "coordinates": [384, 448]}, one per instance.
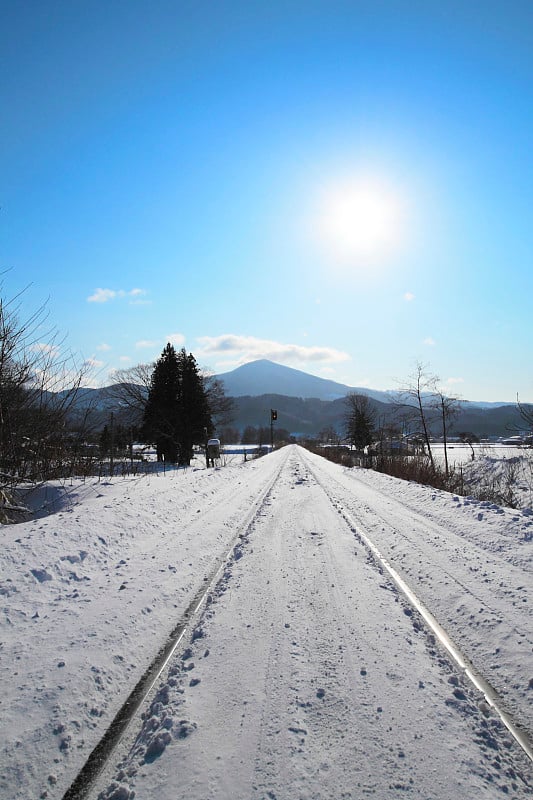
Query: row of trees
{"type": "Point", "coordinates": [177, 414]}
{"type": "Point", "coordinates": [172, 404]}
{"type": "Point", "coordinates": [261, 435]}
{"type": "Point", "coordinates": [420, 408]}
{"type": "Point", "coordinates": [50, 428]}
{"type": "Point", "coordinates": [401, 444]}
{"type": "Point", "coordinates": [40, 381]}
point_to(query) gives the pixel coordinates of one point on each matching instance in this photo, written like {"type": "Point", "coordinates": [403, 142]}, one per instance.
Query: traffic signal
{"type": "Point", "coordinates": [273, 415]}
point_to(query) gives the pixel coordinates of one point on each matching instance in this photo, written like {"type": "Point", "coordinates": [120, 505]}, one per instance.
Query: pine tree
{"type": "Point", "coordinates": [161, 413]}
{"type": "Point", "coordinates": [195, 423]}
{"type": "Point", "coordinates": [177, 413]}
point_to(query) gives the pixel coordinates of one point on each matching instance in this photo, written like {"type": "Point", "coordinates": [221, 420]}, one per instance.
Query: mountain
{"type": "Point", "coordinates": [305, 404]}
{"type": "Point", "coordinates": [267, 377]}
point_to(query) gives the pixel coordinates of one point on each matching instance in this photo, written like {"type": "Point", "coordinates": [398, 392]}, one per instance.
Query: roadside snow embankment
{"type": "Point", "coordinates": [89, 595]}
{"type": "Point", "coordinates": [470, 562]}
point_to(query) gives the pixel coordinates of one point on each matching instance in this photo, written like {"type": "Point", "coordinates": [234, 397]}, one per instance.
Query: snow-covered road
{"type": "Point", "coordinates": [310, 677]}
{"type": "Point", "coordinates": [306, 673]}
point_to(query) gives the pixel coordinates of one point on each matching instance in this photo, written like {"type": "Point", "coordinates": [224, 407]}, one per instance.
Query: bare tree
{"type": "Point", "coordinates": [414, 402]}
{"type": "Point", "coordinates": [130, 388]}
{"type": "Point", "coordinates": [39, 383]}
{"type": "Point", "coordinates": [526, 413]}
{"type": "Point", "coordinates": [469, 438]}
{"type": "Point", "coordinates": [221, 406]}
{"type": "Point", "coordinates": [129, 391]}
{"type": "Point", "coordinates": [430, 406]}
{"type": "Point", "coordinates": [447, 408]}
{"type": "Point", "coordinates": [329, 435]}
{"type": "Point", "coordinates": [359, 420]}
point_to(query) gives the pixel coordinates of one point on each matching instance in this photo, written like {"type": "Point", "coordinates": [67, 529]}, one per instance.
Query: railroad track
{"type": "Point", "coordinates": [83, 785]}
{"type": "Point", "coordinates": [99, 765]}
{"type": "Point", "coordinates": [492, 696]}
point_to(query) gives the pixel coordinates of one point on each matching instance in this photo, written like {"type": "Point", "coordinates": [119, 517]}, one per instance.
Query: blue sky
{"type": "Point", "coordinates": [343, 187]}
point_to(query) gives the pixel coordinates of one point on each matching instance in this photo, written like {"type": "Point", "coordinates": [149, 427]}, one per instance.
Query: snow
{"type": "Point", "coordinates": [306, 673]}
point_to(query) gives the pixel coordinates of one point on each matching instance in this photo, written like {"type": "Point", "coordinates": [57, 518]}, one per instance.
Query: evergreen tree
{"type": "Point", "coordinates": [161, 413]}
{"type": "Point", "coordinates": [176, 415]}
{"type": "Point", "coordinates": [195, 424]}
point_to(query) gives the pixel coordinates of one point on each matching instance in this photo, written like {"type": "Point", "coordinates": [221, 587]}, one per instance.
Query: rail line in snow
{"type": "Point", "coordinates": [100, 756]}
{"type": "Point", "coordinates": [474, 676]}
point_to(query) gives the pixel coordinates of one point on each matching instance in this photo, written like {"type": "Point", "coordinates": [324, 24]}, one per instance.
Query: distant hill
{"type": "Point", "coordinates": [305, 403]}
{"type": "Point", "coordinates": [308, 416]}
{"type": "Point", "coordinates": [266, 377]}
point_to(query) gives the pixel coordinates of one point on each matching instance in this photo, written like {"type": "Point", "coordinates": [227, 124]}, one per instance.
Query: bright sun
{"type": "Point", "coordinates": [360, 221]}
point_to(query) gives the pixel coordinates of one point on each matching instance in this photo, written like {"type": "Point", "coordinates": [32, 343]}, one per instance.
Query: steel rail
{"type": "Point", "coordinates": [102, 752]}
{"type": "Point", "coordinates": [474, 676]}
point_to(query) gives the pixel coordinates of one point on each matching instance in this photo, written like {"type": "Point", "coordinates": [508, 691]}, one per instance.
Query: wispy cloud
{"type": "Point", "coordinates": [408, 296]}
{"type": "Point", "coordinates": [102, 296]}
{"type": "Point", "coordinates": [454, 381]}
{"type": "Point", "coordinates": [104, 347]}
{"type": "Point", "coordinates": [249, 348]}
{"type": "Point", "coordinates": [93, 362]}
{"type": "Point", "coordinates": [177, 339]}
{"type": "Point", "coordinates": [429, 341]}
{"type": "Point", "coordinates": [42, 347]}
{"type": "Point", "coordinates": [125, 359]}
{"type": "Point", "coordinates": [105, 295]}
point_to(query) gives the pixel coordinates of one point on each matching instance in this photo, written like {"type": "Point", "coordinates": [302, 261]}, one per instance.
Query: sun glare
{"type": "Point", "coordinates": [360, 221]}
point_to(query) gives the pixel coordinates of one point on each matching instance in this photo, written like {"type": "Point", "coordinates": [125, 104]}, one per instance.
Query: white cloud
{"type": "Point", "coordinates": [454, 381]}
{"type": "Point", "coordinates": [104, 347]}
{"type": "Point", "coordinates": [42, 347]}
{"type": "Point", "coordinates": [429, 341]}
{"type": "Point", "coordinates": [249, 348]}
{"type": "Point", "coordinates": [105, 295]}
{"type": "Point", "coordinates": [125, 359]}
{"type": "Point", "coordinates": [93, 362]}
{"type": "Point", "coordinates": [408, 296]}
{"type": "Point", "coordinates": [101, 296]}
{"type": "Point", "coordinates": [177, 339]}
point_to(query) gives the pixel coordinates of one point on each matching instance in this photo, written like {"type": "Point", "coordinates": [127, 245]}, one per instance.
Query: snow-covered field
{"type": "Point", "coordinates": [306, 673]}
{"type": "Point", "coordinates": [499, 470]}
{"type": "Point", "coordinates": [459, 453]}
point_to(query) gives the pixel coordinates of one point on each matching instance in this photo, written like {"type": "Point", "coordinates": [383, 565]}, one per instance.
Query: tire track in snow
{"type": "Point", "coordinates": [311, 680]}
{"type": "Point", "coordinates": [480, 682]}
{"type": "Point", "coordinates": [101, 754]}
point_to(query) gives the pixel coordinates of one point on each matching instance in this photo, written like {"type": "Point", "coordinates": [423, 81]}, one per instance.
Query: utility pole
{"type": "Point", "coordinates": [112, 432]}
{"type": "Point", "coordinates": [131, 447]}
{"type": "Point", "coordinates": [273, 418]}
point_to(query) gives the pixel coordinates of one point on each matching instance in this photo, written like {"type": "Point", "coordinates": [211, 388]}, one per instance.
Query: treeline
{"type": "Point", "coordinates": [49, 430]}
{"type": "Point", "coordinates": [255, 435]}
{"type": "Point", "coordinates": [39, 383]}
